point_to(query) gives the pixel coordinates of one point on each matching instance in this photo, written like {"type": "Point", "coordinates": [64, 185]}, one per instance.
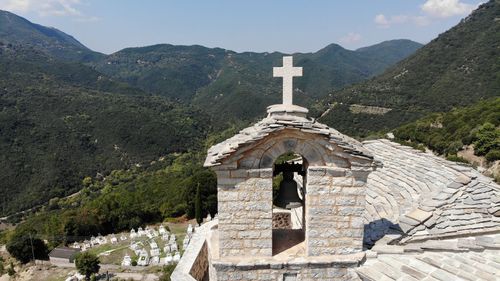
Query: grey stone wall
{"type": "Point", "coordinates": [245, 212]}
{"type": "Point", "coordinates": [296, 271]}
{"type": "Point", "coordinates": [335, 204]}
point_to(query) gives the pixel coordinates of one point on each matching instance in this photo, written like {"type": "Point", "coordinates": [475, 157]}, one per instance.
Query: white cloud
{"type": "Point", "coordinates": [446, 8]}
{"type": "Point", "coordinates": [383, 21]}
{"type": "Point", "coordinates": [351, 38]}
{"type": "Point", "coordinates": [47, 8]}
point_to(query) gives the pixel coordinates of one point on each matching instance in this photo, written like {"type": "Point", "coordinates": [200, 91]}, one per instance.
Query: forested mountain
{"type": "Point", "coordinates": [458, 68]}
{"type": "Point", "coordinates": [19, 31]}
{"type": "Point", "coordinates": [62, 121]}
{"type": "Point", "coordinates": [224, 81]}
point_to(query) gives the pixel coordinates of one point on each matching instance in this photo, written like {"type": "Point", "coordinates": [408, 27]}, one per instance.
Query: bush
{"type": "Point", "coordinates": [167, 271]}
{"type": "Point", "coordinates": [11, 270]}
{"type": "Point", "coordinates": [87, 264]}
{"type": "Point", "coordinates": [493, 155]}
{"type": "Point", "coordinates": [456, 158]}
{"type": "Point", "coordinates": [20, 246]}
{"type": "Point", "coordinates": [487, 138]}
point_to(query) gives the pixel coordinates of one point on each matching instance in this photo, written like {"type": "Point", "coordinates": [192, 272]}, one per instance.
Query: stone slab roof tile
{"type": "Point", "coordinates": [451, 199]}
{"type": "Point", "coordinates": [217, 153]}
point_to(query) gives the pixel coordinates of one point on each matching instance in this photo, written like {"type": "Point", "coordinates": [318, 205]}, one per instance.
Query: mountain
{"type": "Point", "coordinates": [62, 121]}
{"type": "Point", "coordinates": [223, 81]}
{"type": "Point", "coordinates": [391, 51]}
{"type": "Point", "coordinates": [19, 31]}
{"type": "Point", "coordinates": [67, 113]}
{"type": "Point", "coordinates": [458, 68]}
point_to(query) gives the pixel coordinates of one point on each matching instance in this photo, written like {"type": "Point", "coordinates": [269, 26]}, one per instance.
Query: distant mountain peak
{"type": "Point", "coordinates": [20, 31]}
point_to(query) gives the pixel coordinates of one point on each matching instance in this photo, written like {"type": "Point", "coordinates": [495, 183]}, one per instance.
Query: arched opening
{"type": "Point", "coordinates": [289, 189]}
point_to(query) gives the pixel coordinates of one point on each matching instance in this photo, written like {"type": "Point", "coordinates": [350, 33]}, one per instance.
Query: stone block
{"type": "Point", "coordinates": [240, 173]}
{"type": "Point", "coordinates": [336, 172]}
{"type": "Point", "coordinates": [343, 181]}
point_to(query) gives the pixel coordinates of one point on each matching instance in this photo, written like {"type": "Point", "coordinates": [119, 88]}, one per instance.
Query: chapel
{"type": "Point", "coordinates": [298, 200]}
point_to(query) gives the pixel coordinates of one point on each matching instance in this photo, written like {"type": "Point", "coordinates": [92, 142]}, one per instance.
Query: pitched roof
{"type": "Point", "coordinates": [219, 152]}
{"type": "Point", "coordinates": [63, 252]}
{"type": "Point", "coordinates": [427, 197]}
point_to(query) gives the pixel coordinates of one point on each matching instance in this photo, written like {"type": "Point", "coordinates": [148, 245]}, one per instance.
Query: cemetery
{"type": "Point", "coordinates": [155, 245]}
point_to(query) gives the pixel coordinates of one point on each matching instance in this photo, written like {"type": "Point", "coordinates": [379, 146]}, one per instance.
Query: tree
{"type": "Point", "coordinates": [197, 206]}
{"type": "Point", "coordinates": [23, 246]}
{"type": "Point", "coordinates": [87, 264]}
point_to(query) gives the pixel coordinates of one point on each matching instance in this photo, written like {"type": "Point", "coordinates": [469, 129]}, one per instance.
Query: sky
{"type": "Point", "coordinates": [253, 25]}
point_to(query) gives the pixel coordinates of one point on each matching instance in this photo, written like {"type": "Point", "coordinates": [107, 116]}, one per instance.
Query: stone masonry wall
{"type": "Point", "coordinates": [245, 212]}
{"type": "Point", "coordinates": [335, 203]}
{"type": "Point", "coordinates": [277, 272]}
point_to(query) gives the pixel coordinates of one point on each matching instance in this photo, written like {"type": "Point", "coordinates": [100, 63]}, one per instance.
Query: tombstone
{"type": "Point", "coordinates": [87, 244]}
{"type": "Point", "coordinates": [127, 261]}
{"type": "Point", "coordinates": [101, 239]}
{"type": "Point", "coordinates": [133, 234]}
{"type": "Point", "coordinates": [189, 229]}
{"type": "Point", "coordinates": [164, 237]}
{"type": "Point", "coordinates": [153, 244]}
{"type": "Point", "coordinates": [166, 249]}
{"type": "Point", "coordinates": [172, 238]}
{"type": "Point", "coordinates": [169, 259]}
{"type": "Point", "coordinates": [209, 218]}
{"type": "Point", "coordinates": [113, 239]}
{"type": "Point", "coordinates": [134, 246]}
{"type": "Point", "coordinates": [140, 232]}
{"type": "Point", "coordinates": [76, 245]}
{"type": "Point", "coordinates": [123, 237]}
{"type": "Point", "coordinates": [162, 230]}
{"type": "Point", "coordinates": [155, 252]}
{"type": "Point", "coordinates": [334, 170]}
{"type": "Point", "coordinates": [155, 260]}
{"type": "Point", "coordinates": [143, 258]}
{"type": "Point", "coordinates": [177, 257]}
{"type": "Point", "coordinates": [185, 242]}
{"type": "Point", "coordinates": [173, 247]}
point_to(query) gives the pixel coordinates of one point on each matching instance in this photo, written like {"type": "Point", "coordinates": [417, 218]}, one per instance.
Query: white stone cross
{"type": "Point", "coordinates": [287, 71]}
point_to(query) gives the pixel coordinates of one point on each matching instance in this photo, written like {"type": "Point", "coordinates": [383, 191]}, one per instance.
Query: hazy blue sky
{"type": "Point", "coordinates": [254, 25]}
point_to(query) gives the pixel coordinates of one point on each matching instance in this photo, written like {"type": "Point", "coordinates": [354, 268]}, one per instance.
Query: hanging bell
{"type": "Point", "coordinates": [288, 197]}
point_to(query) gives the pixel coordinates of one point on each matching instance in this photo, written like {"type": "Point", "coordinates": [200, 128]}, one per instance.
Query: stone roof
{"type": "Point", "coordinates": [425, 196]}
{"type": "Point", "coordinates": [274, 123]}
{"type": "Point", "coordinates": [429, 218]}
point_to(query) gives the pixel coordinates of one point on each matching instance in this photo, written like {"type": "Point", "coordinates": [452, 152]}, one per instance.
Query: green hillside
{"type": "Point", "coordinates": [241, 85]}
{"type": "Point", "coordinates": [460, 67]}
{"type": "Point", "coordinates": [446, 133]}
{"type": "Point", "coordinates": [60, 122]}
{"type": "Point", "coordinates": [19, 31]}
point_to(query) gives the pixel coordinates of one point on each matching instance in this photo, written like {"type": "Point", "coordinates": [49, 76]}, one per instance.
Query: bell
{"type": "Point", "coordinates": [288, 196]}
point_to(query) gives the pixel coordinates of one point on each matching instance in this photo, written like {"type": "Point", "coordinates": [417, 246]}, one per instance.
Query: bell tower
{"type": "Point", "coordinates": [333, 172]}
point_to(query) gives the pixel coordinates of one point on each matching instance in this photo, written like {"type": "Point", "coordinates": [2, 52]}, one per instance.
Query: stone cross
{"type": "Point", "coordinates": [287, 71]}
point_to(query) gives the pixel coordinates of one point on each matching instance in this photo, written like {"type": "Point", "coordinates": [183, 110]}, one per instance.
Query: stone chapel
{"type": "Point", "coordinates": [350, 206]}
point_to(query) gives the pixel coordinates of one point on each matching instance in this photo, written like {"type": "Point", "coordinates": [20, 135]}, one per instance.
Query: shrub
{"type": "Point", "coordinates": [87, 264]}
{"type": "Point", "coordinates": [456, 158]}
{"type": "Point", "coordinates": [493, 155]}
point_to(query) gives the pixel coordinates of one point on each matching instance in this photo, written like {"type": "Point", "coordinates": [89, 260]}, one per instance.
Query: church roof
{"type": "Point", "coordinates": [429, 219]}
{"type": "Point", "coordinates": [426, 196]}
{"type": "Point", "coordinates": [274, 123]}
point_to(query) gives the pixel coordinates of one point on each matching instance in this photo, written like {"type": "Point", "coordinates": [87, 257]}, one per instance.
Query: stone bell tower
{"type": "Point", "coordinates": [335, 167]}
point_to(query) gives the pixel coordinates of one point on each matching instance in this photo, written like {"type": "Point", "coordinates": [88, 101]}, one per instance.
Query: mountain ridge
{"type": "Point", "coordinates": [464, 59]}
